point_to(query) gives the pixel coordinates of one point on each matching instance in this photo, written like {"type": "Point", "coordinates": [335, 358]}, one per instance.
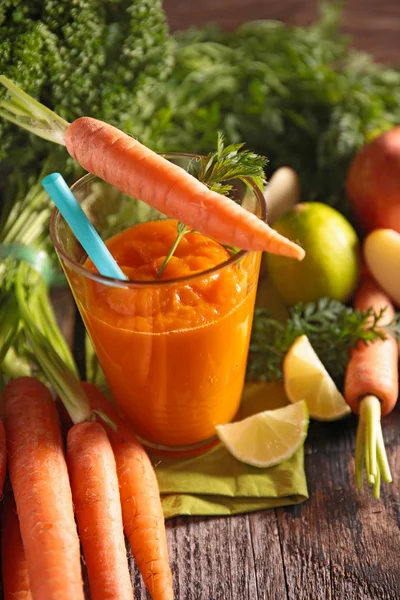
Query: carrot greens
{"type": "Point", "coordinates": [217, 171]}
{"type": "Point", "coordinates": [332, 328]}
{"type": "Point", "coordinates": [60, 372]}
{"type": "Point", "coordinates": [181, 231]}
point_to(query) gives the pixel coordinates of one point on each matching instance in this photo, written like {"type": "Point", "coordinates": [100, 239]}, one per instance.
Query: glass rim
{"type": "Point", "coordinates": [133, 283]}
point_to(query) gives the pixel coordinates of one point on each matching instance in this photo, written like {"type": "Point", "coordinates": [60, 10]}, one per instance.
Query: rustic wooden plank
{"type": "Point", "coordinates": [342, 543]}
{"type": "Point", "coordinates": [373, 26]}
{"type": "Point", "coordinates": [232, 13]}
{"type": "Point", "coordinates": [267, 548]}
{"type": "Point", "coordinates": [212, 558]}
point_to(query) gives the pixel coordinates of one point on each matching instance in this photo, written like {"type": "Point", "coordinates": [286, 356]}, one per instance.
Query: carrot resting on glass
{"type": "Point", "coordinates": [371, 387]}
{"type": "Point", "coordinates": [95, 493]}
{"type": "Point", "coordinates": [14, 566]}
{"type": "Point", "coordinates": [39, 478]}
{"type": "Point", "coordinates": [137, 171]}
{"type": "Point", "coordinates": [142, 513]}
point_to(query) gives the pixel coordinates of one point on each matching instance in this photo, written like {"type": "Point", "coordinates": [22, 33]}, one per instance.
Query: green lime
{"type": "Point", "coordinates": [305, 378]}
{"type": "Point", "coordinates": [267, 438]}
{"type": "Point", "coordinates": [331, 266]}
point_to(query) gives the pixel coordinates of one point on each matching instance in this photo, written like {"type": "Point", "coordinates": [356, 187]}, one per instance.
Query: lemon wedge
{"type": "Point", "coordinates": [266, 438]}
{"type": "Point", "coordinates": [305, 378]}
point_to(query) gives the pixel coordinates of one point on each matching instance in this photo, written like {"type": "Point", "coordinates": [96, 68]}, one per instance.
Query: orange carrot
{"type": "Point", "coordinates": [14, 565]}
{"type": "Point", "coordinates": [371, 388]}
{"type": "Point", "coordinates": [3, 456]}
{"type": "Point", "coordinates": [95, 493]}
{"type": "Point", "coordinates": [39, 478]}
{"type": "Point", "coordinates": [137, 171]}
{"type": "Point", "coordinates": [373, 369]}
{"type": "Point", "coordinates": [142, 513]}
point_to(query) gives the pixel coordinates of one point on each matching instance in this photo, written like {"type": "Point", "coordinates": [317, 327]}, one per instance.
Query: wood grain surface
{"type": "Point", "coordinates": [373, 25]}
{"type": "Point", "coordinates": [341, 544]}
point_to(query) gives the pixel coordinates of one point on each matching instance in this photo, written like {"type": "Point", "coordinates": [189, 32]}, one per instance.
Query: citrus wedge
{"type": "Point", "coordinates": [305, 378]}
{"type": "Point", "coordinates": [266, 438]}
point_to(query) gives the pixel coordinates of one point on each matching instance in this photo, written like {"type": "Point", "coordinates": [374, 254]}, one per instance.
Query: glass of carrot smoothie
{"type": "Point", "coordinates": [173, 346]}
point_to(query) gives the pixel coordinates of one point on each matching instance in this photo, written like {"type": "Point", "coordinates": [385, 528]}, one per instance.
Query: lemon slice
{"type": "Point", "coordinates": [266, 438]}
{"type": "Point", "coordinates": [305, 378]}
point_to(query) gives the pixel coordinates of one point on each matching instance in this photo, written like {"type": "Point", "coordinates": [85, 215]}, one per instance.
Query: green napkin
{"type": "Point", "coordinates": [215, 483]}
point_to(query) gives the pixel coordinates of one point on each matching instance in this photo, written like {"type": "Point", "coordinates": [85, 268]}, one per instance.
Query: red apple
{"type": "Point", "coordinates": [373, 183]}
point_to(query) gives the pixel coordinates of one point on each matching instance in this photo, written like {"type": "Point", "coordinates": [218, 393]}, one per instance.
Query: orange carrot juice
{"type": "Point", "coordinates": [173, 351]}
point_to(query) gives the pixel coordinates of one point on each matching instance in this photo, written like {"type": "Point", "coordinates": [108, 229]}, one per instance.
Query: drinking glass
{"type": "Point", "coordinates": [174, 359]}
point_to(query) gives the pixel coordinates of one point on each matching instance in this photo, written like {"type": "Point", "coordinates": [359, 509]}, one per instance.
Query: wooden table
{"type": "Point", "coordinates": [341, 544]}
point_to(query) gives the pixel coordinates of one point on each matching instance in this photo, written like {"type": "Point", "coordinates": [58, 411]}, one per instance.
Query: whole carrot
{"type": "Point", "coordinates": [95, 493]}
{"type": "Point", "coordinates": [142, 512]}
{"type": "Point", "coordinates": [371, 386]}
{"type": "Point", "coordinates": [3, 456]}
{"type": "Point", "coordinates": [14, 566]}
{"type": "Point", "coordinates": [39, 478]}
{"type": "Point", "coordinates": [93, 471]}
{"type": "Point", "coordinates": [137, 171]}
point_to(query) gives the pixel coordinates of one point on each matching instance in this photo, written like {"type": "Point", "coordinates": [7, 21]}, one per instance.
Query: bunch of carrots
{"type": "Point", "coordinates": [78, 482]}
{"type": "Point", "coordinates": [102, 477]}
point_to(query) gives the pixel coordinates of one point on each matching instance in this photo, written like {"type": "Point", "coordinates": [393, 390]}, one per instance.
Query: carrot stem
{"type": "Point", "coordinates": [382, 458]}
{"type": "Point", "coordinates": [21, 109]}
{"type": "Point", "coordinates": [59, 374]}
{"type": "Point", "coordinates": [377, 484]}
{"type": "Point", "coordinates": [181, 230]}
{"type": "Point", "coordinates": [9, 324]}
{"type": "Point", "coordinates": [372, 407]}
{"type": "Point", "coordinates": [370, 445]}
{"type": "Point", "coordinates": [41, 308]}
{"type": "Point", "coordinates": [359, 457]}
{"type": "Point", "coordinates": [370, 477]}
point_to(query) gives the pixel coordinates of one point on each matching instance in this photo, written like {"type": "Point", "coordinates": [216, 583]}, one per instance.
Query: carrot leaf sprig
{"type": "Point", "coordinates": [181, 231]}
{"type": "Point", "coordinates": [227, 163]}
{"type": "Point", "coordinates": [217, 171]}
{"type": "Point", "coordinates": [332, 328]}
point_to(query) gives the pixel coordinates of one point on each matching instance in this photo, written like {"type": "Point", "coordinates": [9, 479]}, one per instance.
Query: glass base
{"type": "Point", "coordinates": [181, 451]}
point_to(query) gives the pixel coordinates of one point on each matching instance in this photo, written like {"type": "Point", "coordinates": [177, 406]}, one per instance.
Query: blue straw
{"type": "Point", "coordinates": [69, 207]}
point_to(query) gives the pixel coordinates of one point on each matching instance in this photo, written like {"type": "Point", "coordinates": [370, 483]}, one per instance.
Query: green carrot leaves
{"type": "Point", "coordinates": [217, 171]}
{"type": "Point", "coordinates": [332, 328]}
{"type": "Point", "coordinates": [181, 230]}
{"type": "Point", "coordinates": [228, 163]}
